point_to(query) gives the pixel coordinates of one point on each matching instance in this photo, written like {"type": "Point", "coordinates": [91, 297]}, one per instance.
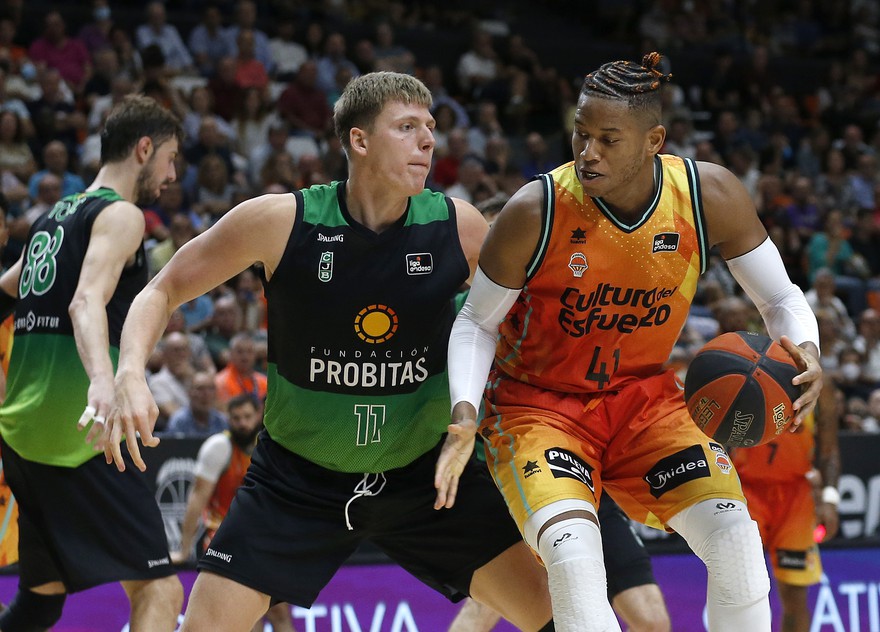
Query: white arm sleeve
{"type": "Point", "coordinates": [214, 456]}
{"type": "Point", "coordinates": [472, 342]}
{"type": "Point", "coordinates": [782, 304]}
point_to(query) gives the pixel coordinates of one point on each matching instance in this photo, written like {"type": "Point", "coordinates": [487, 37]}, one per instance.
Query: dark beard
{"type": "Point", "coordinates": [244, 440]}
{"type": "Point", "coordinates": [143, 193]}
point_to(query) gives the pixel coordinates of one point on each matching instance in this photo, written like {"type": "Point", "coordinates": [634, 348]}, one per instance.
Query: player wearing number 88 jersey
{"type": "Point", "coordinates": [49, 277]}
{"type": "Point", "coordinates": [81, 523]}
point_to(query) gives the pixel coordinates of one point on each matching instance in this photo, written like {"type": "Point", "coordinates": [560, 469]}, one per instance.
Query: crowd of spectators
{"type": "Point", "coordinates": [786, 95]}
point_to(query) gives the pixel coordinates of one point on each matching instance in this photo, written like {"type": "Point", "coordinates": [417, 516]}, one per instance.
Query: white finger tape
{"type": "Point", "coordinates": [87, 416]}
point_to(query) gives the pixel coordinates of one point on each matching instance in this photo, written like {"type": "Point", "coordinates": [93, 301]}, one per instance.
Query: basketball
{"type": "Point", "coordinates": [738, 389]}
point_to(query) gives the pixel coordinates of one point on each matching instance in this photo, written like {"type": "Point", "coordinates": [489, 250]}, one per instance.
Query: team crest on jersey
{"type": "Point", "coordinates": [419, 263]}
{"type": "Point", "coordinates": [578, 264]}
{"type": "Point", "coordinates": [376, 323]}
{"type": "Point", "coordinates": [578, 236]}
{"type": "Point", "coordinates": [722, 462]}
{"type": "Point", "coordinates": [325, 267]}
{"type": "Point", "coordinates": [665, 242]}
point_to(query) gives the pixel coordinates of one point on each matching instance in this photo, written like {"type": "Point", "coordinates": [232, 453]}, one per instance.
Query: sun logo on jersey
{"type": "Point", "coordinates": [376, 324]}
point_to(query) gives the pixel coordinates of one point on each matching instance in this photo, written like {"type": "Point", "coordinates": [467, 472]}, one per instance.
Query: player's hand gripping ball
{"type": "Point", "coordinates": [738, 389]}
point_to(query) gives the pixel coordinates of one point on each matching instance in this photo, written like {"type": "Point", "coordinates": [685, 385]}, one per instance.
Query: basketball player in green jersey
{"type": "Point", "coordinates": [360, 278]}
{"type": "Point", "coordinates": [82, 523]}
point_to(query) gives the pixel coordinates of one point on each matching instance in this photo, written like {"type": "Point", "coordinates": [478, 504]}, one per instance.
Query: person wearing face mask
{"type": "Point", "coordinates": [850, 369]}
{"type": "Point", "coordinates": [220, 467]}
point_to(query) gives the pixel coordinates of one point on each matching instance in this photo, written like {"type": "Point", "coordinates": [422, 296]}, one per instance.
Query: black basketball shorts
{"type": "Point", "coordinates": [86, 525]}
{"type": "Point", "coordinates": [287, 531]}
{"type": "Point", "coordinates": [627, 563]}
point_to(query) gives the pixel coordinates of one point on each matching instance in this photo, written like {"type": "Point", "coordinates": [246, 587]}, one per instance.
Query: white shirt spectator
{"type": "Point", "coordinates": [287, 56]}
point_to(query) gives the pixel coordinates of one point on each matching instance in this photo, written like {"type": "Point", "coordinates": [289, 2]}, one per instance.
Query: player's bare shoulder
{"type": "Point", "coordinates": [731, 218]}
{"type": "Point", "coordinates": [514, 236]}
{"type": "Point", "coordinates": [264, 223]}
{"type": "Point", "coordinates": [124, 208]}
{"type": "Point", "coordinates": [523, 213]}
{"type": "Point", "coordinates": [472, 229]}
{"type": "Point", "coordinates": [120, 218]}
{"type": "Point", "coordinates": [718, 184]}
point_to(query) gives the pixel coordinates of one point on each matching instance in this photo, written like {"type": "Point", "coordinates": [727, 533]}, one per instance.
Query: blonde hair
{"type": "Point", "coordinates": [365, 96]}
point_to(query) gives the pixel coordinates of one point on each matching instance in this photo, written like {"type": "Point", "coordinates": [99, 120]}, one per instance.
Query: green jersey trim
{"type": "Point", "coordinates": [321, 207]}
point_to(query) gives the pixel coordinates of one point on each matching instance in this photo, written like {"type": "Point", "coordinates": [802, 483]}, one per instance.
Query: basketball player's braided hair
{"type": "Point", "coordinates": [638, 84]}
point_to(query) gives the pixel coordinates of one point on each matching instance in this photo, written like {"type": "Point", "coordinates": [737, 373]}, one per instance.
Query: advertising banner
{"type": "Point", "coordinates": [384, 598]}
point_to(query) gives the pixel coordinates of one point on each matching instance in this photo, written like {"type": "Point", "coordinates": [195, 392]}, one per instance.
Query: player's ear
{"type": "Point", "coordinates": [358, 139]}
{"type": "Point", "coordinates": [144, 149]}
{"type": "Point", "coordinates": [656, 138]}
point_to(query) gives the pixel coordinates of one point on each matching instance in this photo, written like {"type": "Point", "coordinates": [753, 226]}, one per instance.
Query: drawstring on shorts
{"type": "Point", "coordinates": [365, 488]}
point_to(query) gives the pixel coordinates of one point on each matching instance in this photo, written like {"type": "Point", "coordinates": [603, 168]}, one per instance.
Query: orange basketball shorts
{"type": "Point", "coordinates": [639, 442]}
{"type": "Point", "coordinates": [786, 516]}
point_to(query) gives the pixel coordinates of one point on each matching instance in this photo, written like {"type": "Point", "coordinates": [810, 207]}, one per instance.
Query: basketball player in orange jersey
{"type": "Point", "coordinates": [589, 272]}
{"type": "Point", "coordinates": [778, 480]}
{"type": "Point", "coordinates": [220, 468]}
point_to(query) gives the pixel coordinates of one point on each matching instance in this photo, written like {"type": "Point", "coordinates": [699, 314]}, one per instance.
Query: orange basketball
{"type": "Point", "coordinates": [738, 389]}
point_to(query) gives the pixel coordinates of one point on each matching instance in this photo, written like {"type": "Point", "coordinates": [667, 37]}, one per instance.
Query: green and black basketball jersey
{"type": "Point", "coordinates": [358, 330]}
{"type": "Point", "coordinates": [47, 386]}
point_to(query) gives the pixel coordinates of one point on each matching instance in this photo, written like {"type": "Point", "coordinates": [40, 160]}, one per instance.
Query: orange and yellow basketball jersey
{"type": "Point", "coordinates": [786, 458]}
{"type": "Point", "coordinates": [605, 300]}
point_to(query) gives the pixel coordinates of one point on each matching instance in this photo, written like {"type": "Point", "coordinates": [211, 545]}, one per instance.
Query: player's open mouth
{"type": "Point", "coordinates": [589, 175]}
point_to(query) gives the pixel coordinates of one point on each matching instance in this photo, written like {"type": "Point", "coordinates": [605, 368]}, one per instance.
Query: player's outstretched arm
{"type": "Point", "coordinates": [472, 341]}
{"type": "Point", "coordinates": [459, 443]}
{"type": "Point", "coordinates": [254, 231]}
{"type": "Point", "coordinates": [116, 236]}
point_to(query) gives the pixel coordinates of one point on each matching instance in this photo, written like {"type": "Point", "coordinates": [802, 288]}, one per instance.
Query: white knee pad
{"type": "Point", "coordinates": [723, 535]}
{"type": "Point", "coordinates": [572, 553]}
